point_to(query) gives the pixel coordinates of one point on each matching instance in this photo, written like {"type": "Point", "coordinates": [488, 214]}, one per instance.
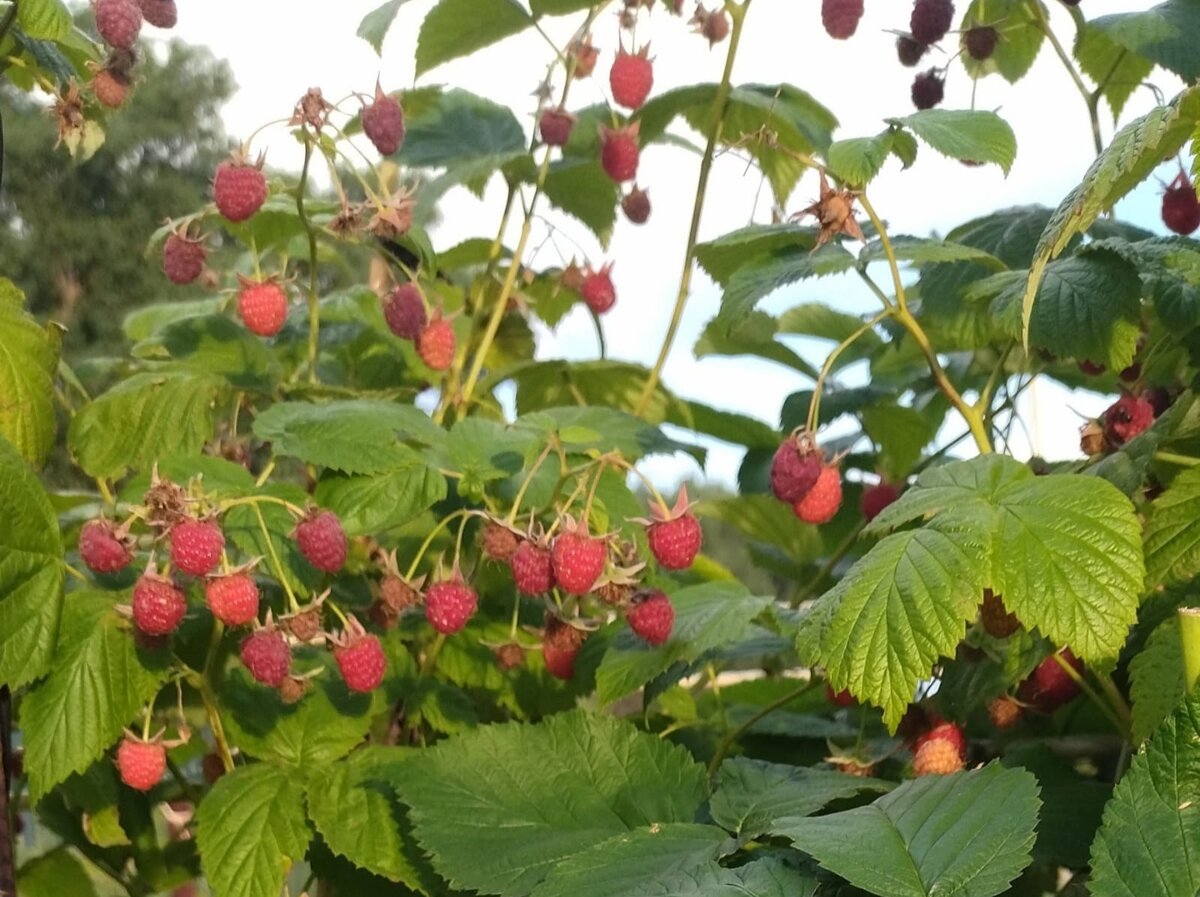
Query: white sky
{"type": "Point", "coordinates": [279, 49]}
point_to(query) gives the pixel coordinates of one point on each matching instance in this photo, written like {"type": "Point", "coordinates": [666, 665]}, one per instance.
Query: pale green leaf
{"type": "Point", "coordinates": [48, 20]}
{"type": "Point", "coordinates": [1156, 676]}
{"type": "Point", "coordinates": [455, 28]}
{"type": "Point", "coordinates": [1167, 35]}
{"type": "Point", "coordinates": [375, 25]}
{"type": "Point", "coordinates": [1107, 63]}
{"type": "Point", "coordinates": [54, 874]}
{"type": "Point", "coordinates": [28, 364]}
{"type": "Point", "coordinates": [1173, 531]}
{"type": "Point", "coordinates": [371, 504]}
{"type": "Point", "coordinates": [967, 135]}
{"type": "Point", "coordinates": [1021, 38]}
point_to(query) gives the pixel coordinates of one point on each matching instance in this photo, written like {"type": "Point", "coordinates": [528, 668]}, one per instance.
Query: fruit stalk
{"type": "Point", "coordinates": [1189, 630]}
{"type": "Point", "coordinates": [737, 12]}
{"type": "Point", "coordinates": [814, 407]}
{"type": "Point", "coordinates": [314, 311]}
{"type": "Point", "coordinates": [1114, 709]}
{"type": "Point", "coordinates": [1090, 99]}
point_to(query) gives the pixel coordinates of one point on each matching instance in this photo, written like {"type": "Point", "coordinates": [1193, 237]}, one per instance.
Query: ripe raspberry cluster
{"type": "Point", "coordinates": [801, 477]}
{"type": "Point", "coordinates": [119, 24]}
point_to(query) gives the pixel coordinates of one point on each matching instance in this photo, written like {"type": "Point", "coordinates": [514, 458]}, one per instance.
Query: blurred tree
{"type": "Point", "coordinates": [73, 235]}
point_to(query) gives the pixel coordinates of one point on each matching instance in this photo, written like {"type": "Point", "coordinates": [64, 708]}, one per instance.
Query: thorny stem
{"type": "Point", "coordinates": [814, 407]}
{"type": "Point", "coordinates": [727, 742]}
{"type": "Point", "coordinates": [737, 14]}
{"type": "Point", "coordinates": [314, 311]}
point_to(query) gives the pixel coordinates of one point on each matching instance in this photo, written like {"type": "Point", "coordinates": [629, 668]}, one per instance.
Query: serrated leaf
{"type": "Point", "coordinates": [498, 808]}
{"type": "Point", "coordinates": [54, 874]}
{"type": "Point", "coordinates": [967, 135]}
{"type": "Point", "coordinates": [751, 794]}
{"type": "Point", "coordinates": [28, 362]}
{"type": "Point", "coordinates": [455, 28]}
{"type": "Point", "coordinates": [459, 130]}
{"type": "Point", "coordinates": [243, 528]}
{"type": "Point", "coordinates": [766, 519]}
{"type": "Point", "coordinates": [143, 419]}
{"type": "Point", "coordinates": [580, 188]}
{"type": "Point", "coordinates": [143, 323]}
{"type": "Point", "coordinates": [214, 344]}
{"type": "Point", "coordinates": [31, 573]}
{"type": "Point", "coordinates": [48, 20]}
{"type": "Point", "coordinates": [968, 834]}
{"type": "Point", "coordinates": [1157, 682]}
{"type": "Point", "coordinates": [595, 428]}
{"type": "Point", "coordinates": [1172, 538]}
{"type": "Point", "coordinates": [1021, 38]}
{"type": "Point", "coordinates": [754, 335]}
{"type": "Point", "coordinates": [372, 504]}
{"type": "Point", "coordinates": [1166, 34]}
{"type": "Point", "coordinates": [763, 275]}
{"type": "Point", "coordinates": [251, 829]}
{"type": "Point", "coordinates": [99, 685]}
{"type": "Point", "coordinates": [901, 433]}
{"type": "Point", "coordinates": [375, 25]}
{"type": "Point", "coordinates": [857, 160]}
{"type": "Point", "coordinates": [1146, 846]}
{"type": "Point", "coordinates": [924, 251]}
{"type": "Point", "coordinates": [1109, 64]}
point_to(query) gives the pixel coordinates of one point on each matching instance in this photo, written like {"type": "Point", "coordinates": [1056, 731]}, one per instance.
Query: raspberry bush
{"type": "Point", "coordinates": [363, 595]}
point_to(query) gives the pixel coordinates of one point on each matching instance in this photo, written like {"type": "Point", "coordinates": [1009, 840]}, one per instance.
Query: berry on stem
{"type": "Point", "coordinates": [119, 22]}
{"type": "Point", "coordinates": [183, 257]}
{"type": "Point", "coordinates": [449, 604]}
{"type": "Point", "coordinates": [360, 659]}
{"type": "Point", "coordinates": [500, 542]}
{"type": "Point", "coordinates": [266, 655]}
{"type": "Point", "coordinates": [995, 617]}
{"type": "Point", "coordinates": [160, 13]}
{"type": "Point", "coordinates": [631, 78]}
{"type": "Point", "coordinates": [822, 501]}
{"type": "Point", "coordinates": [555, 126]}
{"type": "Point", "coordinates": [1049, 686]}
{"type": "Point", "coordinates": [1126, 418]}
{"type": "Point", "coordinates": [636, 205]}
{"type": "Point", "coordinates": [909, 50]}
{"type": "Point", "coordinates": [404, 311]}
{"type": "Point", "coordinates": [239, 187]}
{"type": "Point", "coordinates": [981, 41]}
{"type": "Point", "coordinates": [1004, 712]}
{"type": "Point", "coordinates": [560, 646]}
{"type": "Point", "coordinates": [841, 17]}
{"type": "Point", "coordinates": [928, 89]}
{"type": "Point", "coordinates": [322, 540]}
{"type": "Point", "coordinates": [578, 558]}
{"type": "Point", "coordinates": [674, 536]}
{"type": "Point", "coordinates": [383, 122]}
{"type": "Point", "coordinates": [104, 546]}
{"type": "Point", "coordinates": [141, 764]}
{"type": "Point", "coordinates": [651, 617]}
{"type": "Point", "coordinates": [795, 468]}
{"type": "Point", "coordinates": [619, 152]}
{"type": "Point", "coordinates": [436, 344]}
{"type": "Point", "coordinates": [1180, 206]}
{"type": "Point", "coordinates": [232, 599]}
{"type": "Point", "coordinates": [532, 568]}
{"type": "Point", "coordinates": [877, 497]}
{"type": "Point", "coordinates": [597, 289]}
{"type": "Point", "coordinates": [262, 305]}
{"type": "Point", "coordinates": [714, 24]}
{"type": "Point", "coordinates": [196, 546]}
{"type": "Point", "coordinates": [930, 20]}
{"type": "Point", "coordinates": [157, 605]}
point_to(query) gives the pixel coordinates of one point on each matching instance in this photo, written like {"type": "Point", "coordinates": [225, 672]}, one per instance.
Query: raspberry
{"type": "Point", "coordinates": [795, 468]}
{"type": "Point", "coordinates": [157, 605]}
{"type": "Point", "coordinates": [997, 621]}
{"type": "Point", "coordinates": [578, 560]}
{"type": "Point", "coordinates": [110, 88]}
{"type": "Point", "coordinates": [1004, 712]}
{"type": "Point", "coordinates": [822, 501]}
{"type": "Point", "coordinates": [631, 77]}
{"type": "Point", "coordinates": [160, 13]}
{"type": "Point", "coordinates": [713, 25]}
{"type": "Point", "coordinates": [675, 542]}
{"type": "Point", "coordinates": [1126, 418]}
{"type": "Point", "coordinates": [212, 767]}
{"type": "Point", "coordinates": [196, 546]}
{"type": "Point", "coordinates": [267, 656]}
{"type": "Point", "coordinates": [183, 258]}
{"type": "Point", "coordinates": [616, 594]}
{"type": "Point", "coordinates": [636, 205]}
{"type": "Point", "coordinates": [293, 689]}
{"type": "Point", "coordinates": [598, 291]}
{"type": "Point", "coordinates": [232, 599]}
{"type": "Point", "coordinates": [981, 41]}
{"type": "Point", "coordinates": [404, 311]}
{"type": "Point", "coordinates": [1180, 207]}
{"type": "Point", "coordinates": [383, 122]}
{"type": "Point", "coordinates": [262, 306]}
{"type": "Point", "coordinates": [499, 542]}
{"type": "Point", "coordinates": [585, 56]}
{"type": "Point", "coordinates": [532, 569]}
{"type": "Point", "coordinates": [1049, 686]}
{"type": "Point", "coordinates": [930, 20]}
{"type": "Point", "coordinates": [397, 594]}
{"type": "Point", "coordinates": [509, 657]}
{"type": "Point", "coordinates": [560, 646]}
{"type": "Point", "coordinates": [619, 152]}
{"type": "Point", "coordinates": [937, 757]}
{"type": "Point", "coordinates": [652, 618]}
{"type": "Point", "coordinates": [840, 17]}
{"type": "Point", "coordinates": [141, 764]}
{"type": "Point", "coordinates": [119, 22]}
{"type": "Point", "coordinates": [450, 604]}
{"type": "Point", "coordinates": [876, 498]}
{"type": "Point", "coordinates": [239, 189]}
{"type": "Point", "coordinates": [946, 732]}
{"type": "Point", "coordinates": [304, 625]}
{"type": "Point", "coordinates": [362, 663]}
{"type": "Point", "coordinates": [104, 547]}
{"type": "Point", "coordinates": [555, 126]}
{"type": "Point", "coordinates": [322, 540]}
{"type": "Point", "coordinates": [840, 698]}
{"type": "Point", "coordinates": [435, 344]}
{"type": "Point", "coordinates": [928, 89]}
{"type": "Point", "coordinates": [909, 50]}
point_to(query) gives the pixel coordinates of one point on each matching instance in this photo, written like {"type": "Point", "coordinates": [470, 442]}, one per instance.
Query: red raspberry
{"type": "Point", "coordinates": [822, 501]}
{"type": "Point", "coordinates": [631, 77]}
{"type": "Point", "coordinates": [383, 122]}
{"type": "Point", "coordinates": [239, 189]}
{"type": "Point", "coordinates": [636, 205]}
{"type": "Point", "coordinates": [619, 152]}
{"type": "Point", "coordinates": [157, 605]}
{"type": "Point", "coordinates": [937, 757]}
{"type": "Point", "coordinates": [1004, 712]}
{"type": "Point", "coordinates": [997, 621]}
{"type": "Point", "coordinates": [930, 20]}
{"type": "Point", "coordinates": [404, 311]}
{"type": "Point", "coordinates": [839, 698]}
{"type": "Point", "coordinates": [560, 646]}
{"type": "Point", "coordinates": [362, 663]}
{"type": "Point", "coordinates": [840, 17]}
{"type": "Point", "coordinates": [267, 656]}
{"type": "Point", "coordinates": [532, 568]}
{"type": "Point", "coordinates": [435, 344]}
{"type": "Point", "coordinates": [499, 542]}
{"type": "Point", "coordinates": [981, 41]}
{"type": "Point", "coordinates": [652, 618]}
{"type": "Point", "coordinates": [196, 546]}
{"type": "Point", "coordinates": [578, 560]}
{"type": "Point", "coordinates": [947, 732]}
{"type": "Point", "coordinates": [876, 498]}
{"type": "Point", "coordinates": [262, 306]}
{"type": "Point", "coordinates": [795, 468]}
{"type": "Point", "coordinates": [598, 291]}
{"type": "Point", "coordinates": [450, 604]}
{"type": "Point", "coordinates": [1049, 686]}
{"type": "Point", "coordinates": [110, 88]}
{"type": "Point", "coordinates": [1180, 207]}
{"type": "Point", "coordinates": [927, 89]}
{"type": "Point", "coordinates": [232, 599]}
{"type": "Point", "coordinates": [585, 56]}
{"type": "Point", "coordinates": [676, 541]}
{"type": "Point", "coordinates": [1126, 418]}
{"type": "Point", "coordinates": [322, 540]}
{"type": "Point", "coordinates": [141, 764]}
{"type": "Point", "coordinates": [183, 258]}
{"type": "Point", "coordinates": [160, 13]}
{"type": "Point", "coordinates": [119, 22]}
{"type": "Point", "coordinates": [910, 51]}
{"type": "Point", "coordinates": [104, 546]}
{"type": "Point", "coordinates": [555, 126]}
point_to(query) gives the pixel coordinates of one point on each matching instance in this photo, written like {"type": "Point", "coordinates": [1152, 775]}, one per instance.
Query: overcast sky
{"type": "Point", "coordinates": [278, 49]}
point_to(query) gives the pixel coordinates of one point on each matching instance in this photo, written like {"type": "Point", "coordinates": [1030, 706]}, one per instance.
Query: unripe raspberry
{"type": "Point", "coordinates": [141, 764]}
{"type": "Point", "coordinates": [937, 757]}
{"type": "Point", "coordinates": [110, 88]}
{"type": "Point", "coordinates": [1004, 712]}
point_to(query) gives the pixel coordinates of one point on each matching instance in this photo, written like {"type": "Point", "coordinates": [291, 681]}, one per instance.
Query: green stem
{"type": "Point", "coordinates": [814, 407]}
{"type": "Point", "coordinates": [737, 14]}
{"type": "Point", "coordinates": [431, 657]}
{"type": "Point", "coordinates": [314, 311]}
{"type": "Point", "coordinates": [1105, 707]}
{"type": "Point", "coordinates": [279, 574]}
{"type": "Point", "coordinates": [1178, 460]}
{"type": "Point", "coordinates": [1189, 629]}
{"type": "Point", "coordinates": [727, 742]}
{"type": "Point", "coordinates": [516, 505]}
{"type": "Point", "coordinates": [1038, 14]}
{"type": "Point", "coordinates": [203, 684]}
{"type": "Point", "coordinates": [441, 525]}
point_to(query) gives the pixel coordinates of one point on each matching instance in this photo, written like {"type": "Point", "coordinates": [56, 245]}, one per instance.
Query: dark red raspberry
{"type": "Point", "coordinates": [636, 205]}
{"type": "Point", "coordinates": [928, 89]}
{"type": "Point", "coordinates": [1126, 418]}
{"type": "Point", "coordinates": [532, 568]}
{"type": "Point", "coordinates": [795, 468]}
{"type": "Point", "coordinates": [652, 618]}
{"type": "Point", "coordinates": [160, 13]}
{"type": "Point", "coordinates": [449, 604]}
{"type": "Point", "coordinates": [560, 646]}
{"type": "Point", "coordinates": [404, 311]}
{"type": "Point", "coordinates": [839, 698]}
{"type": "Point", "coordinates": [196, 546]}
{"type": "Point", "coordinates": [267, 656]}
{"type": "Point", "coordinates": [362, 662]}
{"type": "Point", "coordinates": [841, 17]}
{"type": "Point", "coordinates": [383, 122]}
{"type": "Point", "coordinates": [910, 51]}
{"type": "Point", "coordinates": [322, 540]}
{"type": "Point", "coordinates": [1180, 207]}
{"type": "Point", "coordinates": [183, 258]}
{"type": "Point", "coordinates": [232, 599]}
{"type": "Point", "coordinates": [239, 188]}
{"type": "Point", "coordinates": [1050, 686]}
{"type": "Point", "coordinates": [981, 41]}
{"type": "Point", "coordinates": [930, 20]}
{"type": "Point", "coordinates": [104, 546]}
{"type": "Point", "coordinates": [995, 617]}
{"type": "Point", "coordinates": [157, 605]}
{"type": "Point", "coordinates": [119, 22]}
{"type": "Point", "coordinates": [876, 498]}
{"type": "Point", "coordinates": [555, 126]}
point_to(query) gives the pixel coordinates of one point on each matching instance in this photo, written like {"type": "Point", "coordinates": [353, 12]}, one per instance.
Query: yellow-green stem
{"type": "Point", "coordinates": [1038, 13]}
{"type": "Point", "coordinates": [814, 407]}
{"type": "Point", "coordinates": [441, 525]}
{"type": "Point", "coordinates": [1189, 628]}
{"type": "Point", "coordinates": [314, 309]}
{"type": "Point", "coordinates": [279, 573]}
{"type": "Point", "coordinates": [727, 742]}
{"type": "Point", "coordinates": [516, 505]}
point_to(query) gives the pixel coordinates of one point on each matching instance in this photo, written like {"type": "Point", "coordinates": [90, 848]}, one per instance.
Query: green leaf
{"type": "Point", "coordinates": [1021, 38]}
{"type": "Point", "coordinates": [143, 419]}
{"type": "Point", "coordinates": [31, 573]}
{"type": "Point", "coordinates": [901, 433]}
{"type": "Point", "coordinates": [1157, 682]}
{"type": "Point", "coordinates": [1166, 34]}
{"type": "Point", "coordinates": [1106, 62]}
{"type": "Point", "coordinates": [457, 28]}
{"type": "Point", "coordinates": [765, 519]}
{"type": "Point", "coordinates": [1173, 531]}
{"type": "Point", "coordinates": [764, 275]}
{"type": "Point", "coordinates": [54, 874]}
{"type": "Point", "coordinates": [48, 20]}
{"type": "Point", "coordinates": [751, 794]}
{"type": "Point", "coordinates": [595, 428]}
{"type": "Point", "coordinates": [558, 7]}
{"type": "Point", "coordinates": [707, 616]}
{"type": "Point", "coordinates": [353, 436]}
{"type": "Point", "coordinates": [967, 834]}
{"type": "Point", "coordinates": [928, 251]}
{"type": "Point", "coordinates": [99, 684]}
{"type": "Point", "coordinates": [723, 257]}
{"type": "Point", "coordinates": [214, 344]}
{"type": "Point", "coordinates": [143, 323]}
{"type": "Point", "coordinates": [459, 130]}
{"type": "Point", "coordinates": [251, 829]}
{"type": "Point", "coordinates": [580, 188]}
{"type": "Point", "coordinates": [970, 136]}
{"type": "Point", "coordinates": [754, 335]}
{"type": "Point", "coordinates": [728, 426]}
{"type": "Point", "coordinates": [372, 504]}
{"type": "Point", "coordinates": [375, 25]}
{"type": "Point", "coordinates": [1146, 846]}
{"type": "Point", "coordinates": [627, 863]}
{"type": "Point", "coordinates": [243, 529]}
{"type": "Point", "coordinates": [825, 322]}
{"type": "Point", "coordinates": [857, 160]}
{"type": "Point", "coordinates": [28, 366]}
{"type": "Point", "coordinates": [499, 808]}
